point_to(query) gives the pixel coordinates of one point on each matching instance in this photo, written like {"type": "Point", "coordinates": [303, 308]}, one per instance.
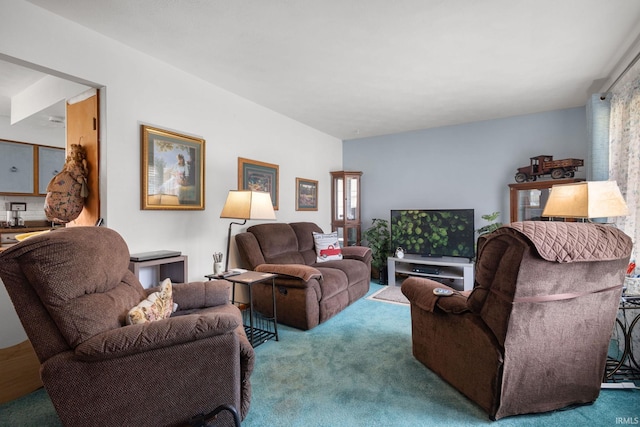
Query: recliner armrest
{"type": "Point", "coordinates": [362, 253]}
{"type": "Point", "coordinates": [419, 291]}
{"type": "Point", "coordinates": [143, 337]}
{"type": "Point", "coordinates": [299, 271]}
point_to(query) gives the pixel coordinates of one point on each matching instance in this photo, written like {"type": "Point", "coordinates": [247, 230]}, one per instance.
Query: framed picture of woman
{"type": "Point", "coordinates": [172, 170]}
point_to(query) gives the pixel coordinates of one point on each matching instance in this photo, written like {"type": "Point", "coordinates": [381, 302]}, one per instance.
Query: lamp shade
{"type": "Point", "coordinates": [245, 204]}
{"type": "Point", "coordinates": [588, 199]}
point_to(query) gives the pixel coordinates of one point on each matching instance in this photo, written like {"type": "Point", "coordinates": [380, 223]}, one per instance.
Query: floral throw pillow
{"type": "Point", "coordinates": [327, 246]}
{"type": "Point", "coordinates": [157, 306]}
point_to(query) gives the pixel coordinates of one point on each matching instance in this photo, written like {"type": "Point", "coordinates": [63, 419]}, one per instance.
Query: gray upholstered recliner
{"type": "Point", "coordinates": [533, 334]}
{"type": "Point", "coordinates": [72, 290]}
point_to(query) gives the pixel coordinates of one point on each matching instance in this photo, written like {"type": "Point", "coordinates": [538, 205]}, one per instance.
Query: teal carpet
{"type": "Point", "coordinates": [357, 370]}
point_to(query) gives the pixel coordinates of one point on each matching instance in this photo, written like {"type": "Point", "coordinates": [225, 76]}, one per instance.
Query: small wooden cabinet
{"type": "Point", "coordinates": [26, 169]}
{"type": "Point", "coordinates": [527, 200]}
{"type": "Point", "coordinates": [50, 164]}
{"type": "Point", "coordinates": [16, 168]}
{"type": "Point", "coordinates": [345, 206]}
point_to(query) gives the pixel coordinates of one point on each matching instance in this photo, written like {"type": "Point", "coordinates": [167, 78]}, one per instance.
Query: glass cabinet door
{"type": "Point", "coordinates": [348, 236]}
{"type": "Point", "coordinates": [351, 209]}
{"type": "Point", "coordinates": [529, 204]}
{"type": "Point", "coordinates": [338, 197]}
{"type": "Point", "coordinates": [528, 199]}
{"type": "Point", "coordinates": [345, 206]}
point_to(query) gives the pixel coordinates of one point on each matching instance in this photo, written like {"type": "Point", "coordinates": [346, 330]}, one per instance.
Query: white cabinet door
{"type": "Point", "coordinates": [16, 168]}
{"type": "Point", "coordinates": [50, 163]}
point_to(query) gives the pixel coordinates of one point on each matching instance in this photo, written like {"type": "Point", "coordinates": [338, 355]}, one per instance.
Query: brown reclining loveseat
{"type": "Point", "coordinates": [307, 292]}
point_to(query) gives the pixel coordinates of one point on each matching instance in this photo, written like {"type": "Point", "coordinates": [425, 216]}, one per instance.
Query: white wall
{"type": "Point", "coordinates": [463, 166]}
{"type": "Point", "coordinates": [141, 90]}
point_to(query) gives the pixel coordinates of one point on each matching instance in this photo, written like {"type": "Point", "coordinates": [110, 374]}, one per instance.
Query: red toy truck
{"type": "Point", "coordinates": [330, 251]}
{"type": "Point", "coordinates": [545, 165]}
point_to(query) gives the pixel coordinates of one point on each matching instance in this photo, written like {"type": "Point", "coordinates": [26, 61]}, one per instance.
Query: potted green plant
{"type": "Point", "coordinates": [378, 238]}
{"type": "Point", "coordinates": [493, 224]}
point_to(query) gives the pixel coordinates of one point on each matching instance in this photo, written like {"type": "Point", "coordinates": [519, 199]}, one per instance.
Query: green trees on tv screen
{"type": "Point", "coordinates": [433, 232]}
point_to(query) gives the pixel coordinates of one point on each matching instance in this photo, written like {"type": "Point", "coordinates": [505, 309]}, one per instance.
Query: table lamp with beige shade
{"type": "Point", "coordinates": [585, 200]}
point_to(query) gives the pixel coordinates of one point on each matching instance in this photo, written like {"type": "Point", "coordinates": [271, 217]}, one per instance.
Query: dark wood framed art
{"type": "Point", "coordinates": [259, 176]}
{"type": "Point", "coordinates": [306, 194]}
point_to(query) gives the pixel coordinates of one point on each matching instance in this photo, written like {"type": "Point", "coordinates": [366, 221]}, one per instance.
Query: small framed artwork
{"type": "Point", "coordinates": [258, 176]}
{"type": "Point", "coordinates": [172, 170]}
{"type": "Point", "coordinates": [306, 195]}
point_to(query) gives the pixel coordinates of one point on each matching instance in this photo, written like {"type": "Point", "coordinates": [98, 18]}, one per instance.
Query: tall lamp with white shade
{"type": "Point", "coordinates": [586, 200]}
{"type": "Point", "coordinates": [246, 204]}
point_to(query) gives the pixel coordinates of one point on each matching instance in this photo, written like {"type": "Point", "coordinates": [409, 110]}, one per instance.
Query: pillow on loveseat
{"type": "Point", "coordinates": [327, 246]}
{"type": "Point", "coordinates": [157, 306]}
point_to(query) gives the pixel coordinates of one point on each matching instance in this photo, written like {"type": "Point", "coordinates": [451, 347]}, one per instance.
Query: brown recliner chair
{"type": "Point", "coordinates": [533, 334]}
{"type": "Point", "coordinates": [72, 291]}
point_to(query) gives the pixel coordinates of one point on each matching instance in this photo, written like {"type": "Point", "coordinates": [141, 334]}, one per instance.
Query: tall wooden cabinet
{"type": "Point", "coordinates": [527, 200]}
{"type": "Point", "coordinates": [345, 206]}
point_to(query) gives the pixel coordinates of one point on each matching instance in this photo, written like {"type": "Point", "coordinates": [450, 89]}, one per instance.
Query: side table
{"type": "Point", "coordinates": [173, 267]}
{"type": "Point", "coordinates": [622, 364]}
{"type": "Point", "coordinates": [259, 328]}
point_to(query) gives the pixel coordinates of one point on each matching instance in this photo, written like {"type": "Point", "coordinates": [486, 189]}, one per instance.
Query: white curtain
{"type": "Point", "coordinates": [624, 150]}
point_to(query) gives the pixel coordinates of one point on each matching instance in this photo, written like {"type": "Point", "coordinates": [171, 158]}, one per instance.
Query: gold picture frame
{"type": "Point", "coordinates": [306, 194]}
{"type": "Point", "coordinates": [259, 176]}
{"type": "Point", "coordinates": [172, 171]}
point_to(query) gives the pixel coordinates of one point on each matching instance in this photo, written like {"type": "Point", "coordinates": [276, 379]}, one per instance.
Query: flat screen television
{"type": "Point", "coordinates": [434, 232]}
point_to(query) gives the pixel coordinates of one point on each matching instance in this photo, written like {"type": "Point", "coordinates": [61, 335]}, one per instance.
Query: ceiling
{"type": "Point", "coordinates": [358, 68]}
{"type": "Point", "coordinates": [13, 80]}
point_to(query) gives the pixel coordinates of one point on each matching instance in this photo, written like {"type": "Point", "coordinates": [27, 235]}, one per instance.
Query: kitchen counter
{"type": "Point", "coordinates": [29, 226]}
{"type": "Point", "coordinates": [7, 234]}
{"type": "Point", "coordinates": [19, 230]}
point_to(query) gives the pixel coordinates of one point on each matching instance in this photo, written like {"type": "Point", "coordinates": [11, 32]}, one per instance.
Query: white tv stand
{"type": "Point", "coordinates": [454, 272]}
